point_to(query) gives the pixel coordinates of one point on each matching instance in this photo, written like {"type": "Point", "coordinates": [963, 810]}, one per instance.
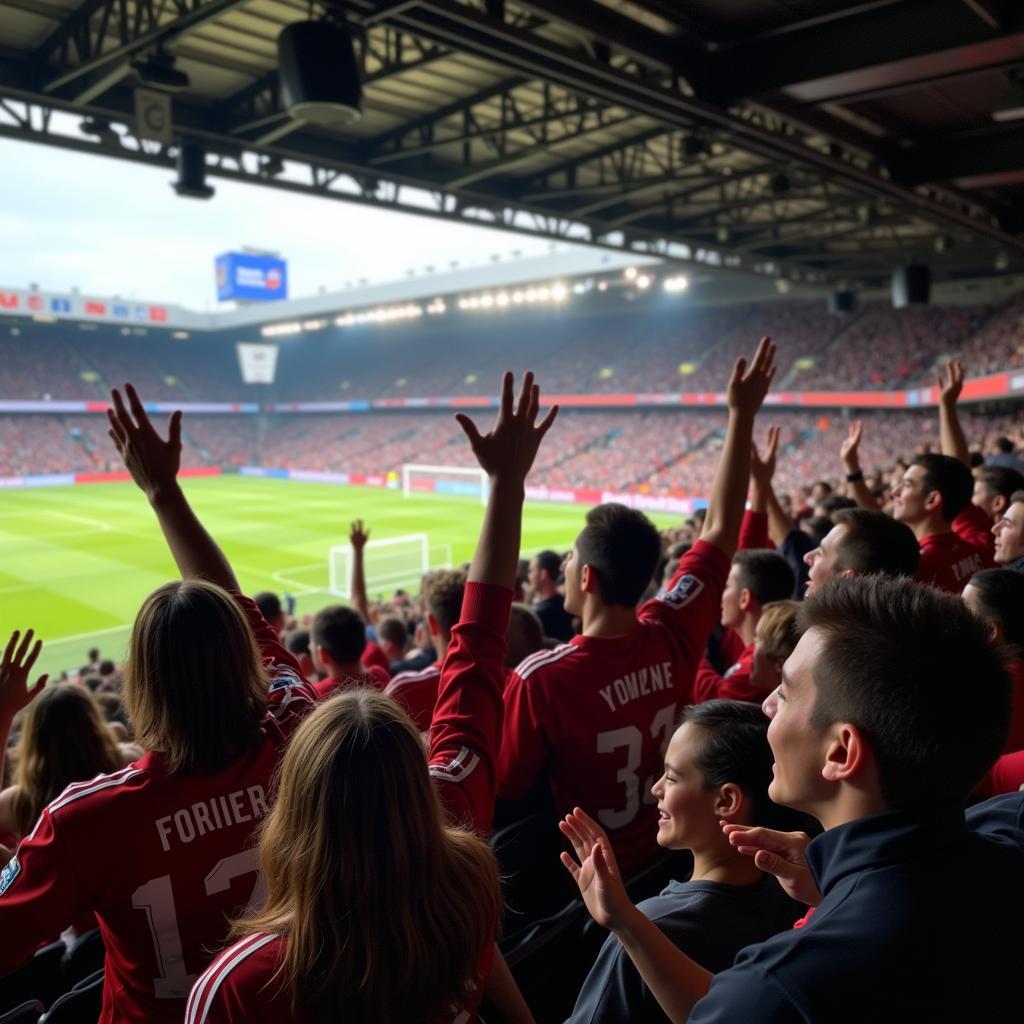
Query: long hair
{"type": "Point", "coordinates": [194, 685]}
{"type": "Point", "coordinates": [385, 909]}
{"type": "Point", "coordinates": [64, 739]}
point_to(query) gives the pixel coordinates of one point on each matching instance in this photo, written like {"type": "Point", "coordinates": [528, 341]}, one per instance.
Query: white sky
{"type": "Point", "coordinates": [114, 227]}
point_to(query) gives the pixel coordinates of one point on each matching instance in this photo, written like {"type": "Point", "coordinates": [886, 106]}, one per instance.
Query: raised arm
{"type": "Point", "coordinates": [466, 728]}
{"type": "Point", "coordinates": [762, 495]}
{"type": "Point", "coordinates": [153, 464]}
{"type": "Point", "coordinates": [15, 693]}
{"type": "Point", "coordinates": [951, 434]}
{"type": "Point", "coordinates": [849, 452]}
{"type": "Point", "coordinates": [747, 389]}
{"type": "Point", "coordinates": [676, 981]}
{"type": "Point", "coordinates": [358, 536]}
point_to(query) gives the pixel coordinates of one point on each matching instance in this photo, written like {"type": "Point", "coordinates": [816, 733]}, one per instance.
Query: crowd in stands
{"type": "Point", "coordinates": [775, 753]}
{"type": "Point", "coordinates": [580, 351]}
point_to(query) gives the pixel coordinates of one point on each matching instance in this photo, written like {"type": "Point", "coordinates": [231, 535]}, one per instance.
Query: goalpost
{"type": "Point", "coordinates": [457, 480]}
{"type": "Point", "coordinates": [387, 564]}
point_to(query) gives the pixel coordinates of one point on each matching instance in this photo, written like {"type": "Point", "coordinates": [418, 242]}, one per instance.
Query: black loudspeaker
{"type": "Point", "coordinates": [192, 170]}
{"type": "Point", "coordinates": [911, 285]}
{"type": "Point", "coordinates": [318, 72]}
{"type": "Point", "coordinates": [841, 302]}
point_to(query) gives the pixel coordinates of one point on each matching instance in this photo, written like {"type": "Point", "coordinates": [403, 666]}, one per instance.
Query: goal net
{"type": "Point", "coordinates": [457, 480]}
{"type": "Point", "coordinates": [390, 564]}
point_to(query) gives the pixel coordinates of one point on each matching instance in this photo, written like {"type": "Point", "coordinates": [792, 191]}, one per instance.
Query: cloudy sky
{"type": "Point", "coordinates": [113, 227]}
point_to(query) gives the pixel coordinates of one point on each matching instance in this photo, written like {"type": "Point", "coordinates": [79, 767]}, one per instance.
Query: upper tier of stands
{"type": "Point", "coordinates": [656, 347]}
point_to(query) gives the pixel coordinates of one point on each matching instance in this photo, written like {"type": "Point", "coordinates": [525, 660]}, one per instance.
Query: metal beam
{"type": "Point", "coordinates": [880, 48]}
{"type": "Point", "coordinates": [987, 153]}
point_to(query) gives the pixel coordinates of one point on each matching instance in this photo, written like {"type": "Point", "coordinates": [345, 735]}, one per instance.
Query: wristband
{"type": "Point", "coordinates": [852, 478]}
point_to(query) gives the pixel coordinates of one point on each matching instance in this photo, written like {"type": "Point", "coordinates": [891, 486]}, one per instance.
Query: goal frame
{"type": "Point", "coordinates": [343, 588]}
{"type": "Point", "coordinates": [474, 472]}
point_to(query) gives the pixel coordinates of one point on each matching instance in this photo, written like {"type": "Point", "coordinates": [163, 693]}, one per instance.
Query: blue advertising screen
{"type": "Point", "coordinates": [251, 278]}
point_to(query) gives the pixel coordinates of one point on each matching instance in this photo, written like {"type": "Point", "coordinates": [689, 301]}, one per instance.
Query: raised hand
{"type": "Point", "coordinates": [597, 873]}
{"type": "Point", "coordinates": [780, 854]}
{"type": "Point", "coordinates": [358, 536]}
{"type": "Point", "coordinates": [15, 667]}
{"type": "Point", "coordinates": [763, 469]}
{"type": "Point", "coordinates": [152, 461]}
{"type": "Point", "coordinates": [951, 382]}
{"type": "Point", "coordinates": [749, 385]}
{"type": "Point", "coordinates": [508, 451]}
{"type": "Point", "coordinates": [849, 450]}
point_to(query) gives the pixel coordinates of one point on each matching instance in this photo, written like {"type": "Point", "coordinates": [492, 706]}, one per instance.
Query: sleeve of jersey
{"type": "Point", "coordinates": [973, 527]}
{"type": "Point", "coordinates": [754, 531]}
{"type": "Point", "coordinates": [465, 731]}
{"type": "Point", "coordinates": [706, 683]}
{"type": "Point", "coordinates": [1005, 776]}
{"type": "Point", "coordinates": [40, 893]}
{"type": "Point", "coordinates": [742, 993]}
{"type": "Point", "coordinates": [276, 656]}
{"type": "Point", "coordinates": [690, 606]}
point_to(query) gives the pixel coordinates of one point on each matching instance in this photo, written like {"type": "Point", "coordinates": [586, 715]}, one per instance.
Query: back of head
{"type": "Point", "coordinates": [1005, 445]}
{"type": "Point", "coordinates": [386, 908]}
{"type": "Point", "coordinates": [875, 542]}
{"type": "Point", "coordinates": [951, 478]}
{"type": "Point", "coordinates": [765, 573]}
{"type": "Point", "coordinates": [269, 605]}
{"type": "Point", "coordinates": [341, 632]}
{"type": "Point", "coordinates": [1000, 595]}
{"type": "Point", "coordinates": [442, 591]}
{"type": "Point", "coordinates": [525, 635]}
{"type": "Point", "coordinates": [551, 563]}
{"type": "Point", "coordinates": [622, 546]}
{"type": "Point", "coordinates": [817, 528]}
{"type": "Point", "coordinates": [64, 739]}
{"type": "Point", "coordinates": [194, 684]}
{"type": "Point", "coordinates": [833, 503]}
{"type": "Point", "coordinates": [391, 629]}
{"type": "Point", "coordinates": [297, 641]}
{"type": "Point", "coordinates": [914, 670]}
{"type": "Point", "coordinates": [734, 748]}
{"type": "Point", "coordinates": [776, 630]}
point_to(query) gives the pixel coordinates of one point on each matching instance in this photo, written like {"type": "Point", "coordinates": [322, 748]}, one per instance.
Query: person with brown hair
{"type": "Point", "coordinates": [161, 850]}
{"type": "Point", "coordinates": [380, 906]}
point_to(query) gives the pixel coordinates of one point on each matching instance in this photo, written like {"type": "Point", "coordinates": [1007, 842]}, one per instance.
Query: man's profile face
{"type": "Point", "coordinates": [986, 499]}
{"type": "Point", "coordinates": [1009, 534]}
{"type": "Point", "coordinates": [571, 569]}
{"type": "Point", "coordinates": [533, 576]}
{"type": "Point", "coordinates": [798, 745]}
{"type": "Point", "coordinates": [909, 495]}
{"type": "Point", "coordinates": [824, 559]}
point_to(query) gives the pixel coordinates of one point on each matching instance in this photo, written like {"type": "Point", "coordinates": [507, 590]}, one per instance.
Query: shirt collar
{"type": "Point", "coordinates": [881, 840]}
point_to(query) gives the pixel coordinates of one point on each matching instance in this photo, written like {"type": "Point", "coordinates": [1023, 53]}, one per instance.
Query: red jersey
{"type": "Point", "coordinates": [975, 528]}
{"type": "Point", "coordinates": [417, 693]}
{"type": "Point", "coordinates": [1015, 737]}
{"type": "Point", "coordinates": [754, 531]}
{"type": "Point", "coordinates": [948, 562]}
{"type": "Point", "coordinates": [374, 657]}
{"type": "Point", "coordinates": [1005, 776]}
{"type": "Point", "coordinates": [596, 714]}
{"type": "Point", "coordinates": [164, 860]}
{"type": "Point", "coordinates": [465, 733]}
{"type": "Point", "coordinates": [733, 685]}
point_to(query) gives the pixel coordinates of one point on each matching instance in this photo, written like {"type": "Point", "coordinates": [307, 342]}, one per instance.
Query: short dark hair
{"type": "Point", "coordinates": [875, 542]}
{"type": "Point", "coordinates": [442, 593]}
{"type": "Point", "coordinates": [734, 748]}
{"type": "Point", "coordinates": [833, 503]}
{"type": "Point", "coordinates": [269, 605]}
{"type": "Point", "coordinates": [107, 667]}
{"type": "Point", "coordinates": [1001, 481]}
{"type": "Point", "coordinates": [93, 654]}
{"type": "Point", "coordinates": [341, 632]}
{"type": "Point", "coordinates": [951, 478]}
{"type": "Point", "coordinates": [549, 562]}
{"type": "Point", "coordinates": [393, 630]}
{"type": "Point", "coordinates": [824, 485]}
{"type": "Point", "coordinates": [1001, 592]}
{"type": "Point", "coordinates": [297, 641]}
{"type": "Point", "coordinates": [622, 546]}
{"type": "Point", "coordinates": [1016, 496]}
{"type": "Point", "coordinates": [765, 573]}
{"type": "Point", "coordinates": [1005, 445]}
{"type": "Point", "coordinates": [817, 527]}
{"type": "Point", "coordinates": [895, 660]}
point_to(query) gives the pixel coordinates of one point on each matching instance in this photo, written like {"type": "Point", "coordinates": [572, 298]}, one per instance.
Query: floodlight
{"type": "Point", "coordinates": [643, 282]}
{"type": "Point", "coordinates": [629, 273]}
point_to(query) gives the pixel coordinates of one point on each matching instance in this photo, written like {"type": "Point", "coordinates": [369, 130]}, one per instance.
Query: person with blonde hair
{"type": "Point", "coordinates": [383, 898]}
{"type": "Point", "coordinates": [162, 850]}
{"type": "Point", "coordinates": [775, 639]}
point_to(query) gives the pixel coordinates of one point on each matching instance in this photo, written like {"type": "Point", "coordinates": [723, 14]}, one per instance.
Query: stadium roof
{"type": "Point", "coordinates": [820, 140]}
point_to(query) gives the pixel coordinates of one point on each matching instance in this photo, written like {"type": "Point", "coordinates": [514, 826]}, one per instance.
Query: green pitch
{"type": "Point", "coordinates": [76, 562]}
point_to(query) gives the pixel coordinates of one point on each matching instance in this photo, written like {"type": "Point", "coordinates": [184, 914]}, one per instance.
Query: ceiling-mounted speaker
{"type": "Point", "coordinates": [191, 166]}
{"type": "Point", "coordinates": [841, 302]}
{"type": "Point", "coordinates": [319, 74]}
{"type": "Point", "coordinates": [911, 285]}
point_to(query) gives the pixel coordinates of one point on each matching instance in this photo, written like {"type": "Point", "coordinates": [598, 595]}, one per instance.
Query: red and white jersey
{"type": "Point", "coordinates": [417, 693]}
{"type": "Point", "coordinates": [733, 685]}
{"type": "Point", "coordinates": [596, 714]}
{"type": "Point", "coordinates": [464, 737]}
{"type": "Point", "coordinates": [374, 657]}
{"type": "Point", "coordinates": [163, 860]}
{"type": "Point", "coordinates": [948, 562]}
{"type": "Point", "coordinates": [974, 527]}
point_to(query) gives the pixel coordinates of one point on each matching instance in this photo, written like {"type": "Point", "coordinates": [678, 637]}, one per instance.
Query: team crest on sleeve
{"type": "Point", "coordinates": [685, 590]}
{"type": "Point", "coordinates": [9, 874]}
